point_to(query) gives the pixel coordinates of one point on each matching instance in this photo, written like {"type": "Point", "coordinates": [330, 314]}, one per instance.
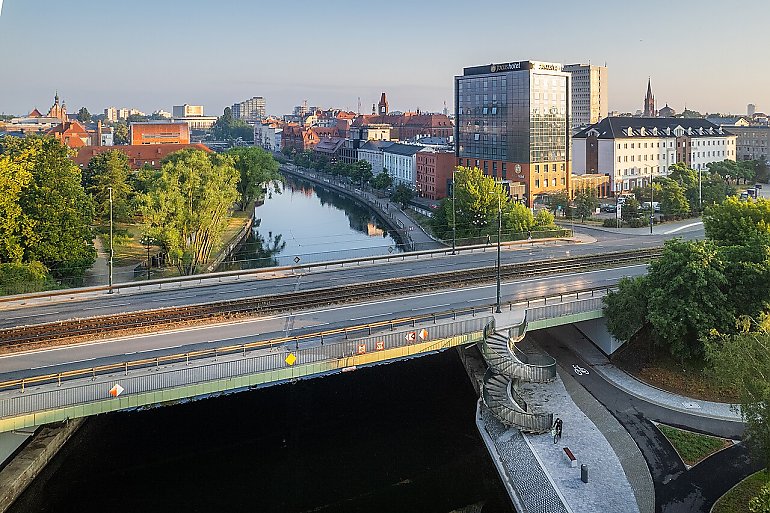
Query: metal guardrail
{"type": "Point", "coordinates": [322, 338]}
{"type": "Point", "coordinates": [271, 359]}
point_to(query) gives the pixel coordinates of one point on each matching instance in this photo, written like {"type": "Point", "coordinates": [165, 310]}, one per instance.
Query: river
{"type": "Point", "coordinates": [311, 224]}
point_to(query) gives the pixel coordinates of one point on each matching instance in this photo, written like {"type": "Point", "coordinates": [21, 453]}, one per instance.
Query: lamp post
{"type": "Point", "coordinates": [700, 190]}
{"type": "Point", "coordinates": [499, 230]}
{"type": "Point", "coordinates": [454, 212]}
{"type": "Point", "coordinates": [112, 252]}
{"type": "Point", "coordinates": [652, 209]}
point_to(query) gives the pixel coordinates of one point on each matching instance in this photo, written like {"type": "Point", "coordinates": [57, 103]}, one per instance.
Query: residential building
{"type": "Point", "coordinates": [590, 88]}
{"type": "Point", "coordinates": [159, 132]}
{"type": "Point", "coordinates": [163, 114]}
{"type": "Point", "coordinates": [371, 152]}
{"type": "Point", "coordinates": [72, 134]}
{"type": "Point", "coordinates": [251, 110]}
{"type": "Point", "coordinates": [632, 151]}
{"type": "Point", "coordinates": [400, 161]}
{"type": "Point", "coordinates": [329, 148]}
{"type": "Point", "coordinates": [751, 109]}
{"type": "Point", "coordinates": [752, 142]}
{"type": "Point", "coordinates": [731, 121]}
{"type": "Point", "coordinates": [434, 173]}
{"type": "Point", "coordinates": [301, 138]}
{"type": "Point", "coordinates": [268, 136]}
{"type": "Point", "coordinates": [513, 122]}
{"type": "Point", "coordinates": [116, 114]}
{"type": "Point", "coordinates": [138, 156]}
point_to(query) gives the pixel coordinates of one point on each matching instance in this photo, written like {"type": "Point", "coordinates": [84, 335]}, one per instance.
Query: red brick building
{"type": "Point", "coordinates": [159, 133]}
{"type": "Point", "coordinates": [72, 134]}
{"type": "Point", "coordinates": [434, 173]}
{"type": "Point", "coordinates": [410, 124]}
{"type": "Point", "coordinates": [138, 156]}
{"type": "Point", "coordinates": [302, 138]}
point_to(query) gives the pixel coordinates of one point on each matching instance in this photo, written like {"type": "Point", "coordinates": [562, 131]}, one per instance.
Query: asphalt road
{"type": "Point", "coordinates": [129, 300]}
{"type": "Point", "coordinates": [677, 490]}
{"type": "Point", "coordinates": [90, 354]}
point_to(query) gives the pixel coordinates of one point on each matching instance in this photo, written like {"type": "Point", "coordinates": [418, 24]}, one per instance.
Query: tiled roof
{"type": "Point", "coordinates": [376, 145]}
{"type": "Point", "coordinates": [403, 149]}
{"type": "Point", "coordinates": [141, 152]}
{"type": "Point", "coordinates": [617, 127]}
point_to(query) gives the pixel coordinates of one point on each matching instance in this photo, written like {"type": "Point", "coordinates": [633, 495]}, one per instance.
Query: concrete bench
{"type": "Point", "coordinates": [570, 457]}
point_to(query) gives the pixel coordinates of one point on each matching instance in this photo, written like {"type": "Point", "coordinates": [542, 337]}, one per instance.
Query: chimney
{"type": "Point", "coordinates": [98, 133]}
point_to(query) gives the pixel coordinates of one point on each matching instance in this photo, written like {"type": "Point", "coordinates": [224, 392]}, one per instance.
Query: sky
{"type": "Point", "coordinates": [706, 55]}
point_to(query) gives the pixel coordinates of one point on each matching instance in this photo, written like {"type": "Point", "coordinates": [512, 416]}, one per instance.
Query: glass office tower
{"type": "Point", "coordinates": [512, 121]}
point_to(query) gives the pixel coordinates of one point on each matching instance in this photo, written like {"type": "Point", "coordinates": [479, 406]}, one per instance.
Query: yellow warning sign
{"type": "Point", "coordinates": [291, 359]}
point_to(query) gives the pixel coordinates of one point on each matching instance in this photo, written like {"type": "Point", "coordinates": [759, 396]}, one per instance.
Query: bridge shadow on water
{"type": "Point", "coordinates": [392, 438]}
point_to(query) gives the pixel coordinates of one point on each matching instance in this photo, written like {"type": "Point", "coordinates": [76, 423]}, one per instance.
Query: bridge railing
{"type": "Point", "coordinates": [269, 362]}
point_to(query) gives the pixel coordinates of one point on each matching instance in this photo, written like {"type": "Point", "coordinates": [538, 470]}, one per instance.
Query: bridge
{"type": "Point", "coordinates": [133, 383]}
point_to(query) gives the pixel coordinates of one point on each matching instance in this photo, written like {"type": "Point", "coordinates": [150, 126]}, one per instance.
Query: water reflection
{"type": "Point", "coordinates": [306, 223]}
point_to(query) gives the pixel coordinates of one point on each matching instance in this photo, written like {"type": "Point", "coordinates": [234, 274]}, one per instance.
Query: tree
{"type": "Point", "coordinates": [110, 169]}
{"type": "Point", "coordinates": [733, 222]}
{"type": "Point", "coordinates": [186, 208]}
{"type": "Point", "coordinates": [543, 218]}
{"type": "Point", "coordinates": [742, 363]}
{"type": "Point", "coordinates": [625, 309]}
{"type": "Point", "coordinates": [687, 298]}
{"type": "Point", "coordinates": [57, 213]}
{"type": "Point", "coordinates": [630, 209]}
{"type": "Point", "coordinates": [83, 115]}
{"type": "Point", "coordinates": [382, 181]}
{"type": "Point", "coordinates": [517, 218]}
{"type": "Point", "coordinates": [672, 199]}
{"type": "Point", "coordinates": [227, 128]}
{"type": "Point", "coordinates": [362, 172]}
{"type": "Point", "coordinates": [586, 202]}
{"type": "Point", "coordinates": [15, 226]}
{"type": "Point", "coordinates": [120, 133]}
{"type": "Point", "coordinates": [402, 194]}
{"type": "Point", "coordinates": [558, 201]}
{"type": "Point", "coordinates": [257, 170]}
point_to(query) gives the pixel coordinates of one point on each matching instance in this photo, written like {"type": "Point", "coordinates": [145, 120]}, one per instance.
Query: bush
{"type": "Point", "coordinates": [610, 223]}
{"type": "Point", "coordinates": [21, 278]}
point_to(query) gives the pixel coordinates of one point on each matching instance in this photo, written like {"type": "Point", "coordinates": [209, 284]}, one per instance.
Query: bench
{"type": "Point", "coordinates": [570, 457]}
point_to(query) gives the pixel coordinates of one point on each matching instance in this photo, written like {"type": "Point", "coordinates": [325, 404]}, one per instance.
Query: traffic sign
{"type": "Point", "coordinates": [297, 259]}
{"type": "Point", "coordinates": [361, 348]}
{"type": "Point", "coordinates": [411, 336]}
{"type": "Point", "coordinates": [291, 359]}
{"type": "Point", "coordinates": [380, 345]}
{"type": "Point", "coordinates": [116, 390]}
{"type": "Point", "coordinates": [423, 334]}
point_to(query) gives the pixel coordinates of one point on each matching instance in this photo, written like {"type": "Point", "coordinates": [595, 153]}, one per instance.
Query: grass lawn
{"type": "Point", "coordinates": [737, 499]}
{"type": "Point", "coordinates": [693, 447]}
{"type": "Point", "coordinates": [420, 219]}
{"type": "Point", "coordinates": [126, 243]}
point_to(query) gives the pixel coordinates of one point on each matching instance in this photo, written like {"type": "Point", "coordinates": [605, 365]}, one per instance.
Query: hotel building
{"type": "Point", "coordinates": [513, 122]}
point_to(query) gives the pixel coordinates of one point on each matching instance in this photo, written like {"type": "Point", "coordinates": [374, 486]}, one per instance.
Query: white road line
{"type": "Point", "coordinates": [682, 228]}
{"type": "Point", "coordinates": [431, 306]}
{"type": "Point", "coordinates": [104, 306]}
{"type": "Point", "coordinates": [32, 315]}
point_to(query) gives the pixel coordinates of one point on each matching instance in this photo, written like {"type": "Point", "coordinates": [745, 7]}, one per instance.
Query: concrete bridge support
{"type": "Point", "coordinates": [595, 330]}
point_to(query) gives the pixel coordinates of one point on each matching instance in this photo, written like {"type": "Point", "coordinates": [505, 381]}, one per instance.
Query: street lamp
{"type": "Point", "coordinates": [499, 230]}
{"type": "Point", "coordinates": [112, 252]}
{"type": "Point", "coordinates": [454, 214]}
{"type": "Point", "coordinates": [652, 208]}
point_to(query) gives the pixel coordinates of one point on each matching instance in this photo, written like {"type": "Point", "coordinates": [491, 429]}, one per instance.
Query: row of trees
{"type": "Point", "coordinates": [708, 301]}
{"type": "Point", "coordinates": [360, 172]}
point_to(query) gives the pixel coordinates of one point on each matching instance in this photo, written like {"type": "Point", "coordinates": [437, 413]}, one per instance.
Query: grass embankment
{"type": "Point", "coordinates": [423, 221]}
{"type": "Point", "coordinates": [649, 363]}
{"type": "Point", "coordinates": [693, 447]}
{"type": "Point", "coordinates": [737, 499]}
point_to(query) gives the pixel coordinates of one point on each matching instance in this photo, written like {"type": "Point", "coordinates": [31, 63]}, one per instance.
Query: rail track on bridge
{"type": "Point", "coordinates": [130, 322]}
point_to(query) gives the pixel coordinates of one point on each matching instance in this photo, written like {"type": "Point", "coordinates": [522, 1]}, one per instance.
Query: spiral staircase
{"type": "Point", "coordinates": [508, 366]}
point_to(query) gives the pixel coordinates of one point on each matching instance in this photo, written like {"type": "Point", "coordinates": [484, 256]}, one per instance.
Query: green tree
{"type": "Point", "coordinates": [586, 201]}
{"type": "Point", "coordinates": [687, 298]}
{"type": "Point", "coordinates": [120, 133]}
{"type": "Point", "coordinates": [228, 128]}
{"type": "Point", "coordinates": [382, 181]}
{"type": "Point", "coordinates": [110, 169]}
{"type": "Point", "coordinates": [18, 278]}
{"type": "Point", "coordinates": [672, 199]}
{"type": "Point", "coordinates": [402, 194]}
{"type": "Point", "coordinates": [362, 172]}
{"type": "Point", "coordinates": [15, 226]}
{"type": "Point", "coordinates": [625, 309]}
{"type": "Point", "coordinates": [733, 222]}
{"type": "Point", "coordinates": [517, 218]}
{"type": "Point", "coordinates": [630, 209]}
{"type": "Point", "coordinates": [57, 213]}
{"type": "Point", "coordinates": [186, 209]}
{"type": "Point", "coordinates": [258, 170]}
{"type": "Point", "coordinates": [83, 115]}
{"type": "Point", "coordinates": [544, 219]}
{"type": "Point", "coordinates": [558, 201]}
{"type": "Point", "coordinates": [742, 363]}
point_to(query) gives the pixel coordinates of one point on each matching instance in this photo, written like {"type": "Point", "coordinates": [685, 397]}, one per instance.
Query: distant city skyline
{"type": "Point", "coordinates": [147, 55]}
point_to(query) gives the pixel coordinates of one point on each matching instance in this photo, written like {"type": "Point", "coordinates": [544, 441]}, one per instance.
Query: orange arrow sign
{"type": "Point", "coordinates": [423, 334]}
{"type": "Point", "coordinates": [116, 390]}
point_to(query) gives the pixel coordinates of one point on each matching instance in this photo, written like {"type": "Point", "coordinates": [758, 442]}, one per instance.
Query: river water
{"type": "Point", "coordinates": [312, 224]}
{"type": "Point", "coordinates": [392, 438]}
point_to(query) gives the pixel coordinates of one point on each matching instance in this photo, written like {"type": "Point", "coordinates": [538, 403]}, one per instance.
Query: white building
{"type": "Point", "coordinates": [268, 136]}
{"type": "Point", "coordinates": [371, 152]}
{"type": "Point", "coordinates": [632, 151]}
{"type": "Point", "coordinates": [400, 161]}
{"type": "Point", "coordinates": [251, 110]}
{"type": "Point", "coordinates": [590, 93]}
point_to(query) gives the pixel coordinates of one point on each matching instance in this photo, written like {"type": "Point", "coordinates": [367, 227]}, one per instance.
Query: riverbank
{"type": "Point", "coordinates": [25, 466]}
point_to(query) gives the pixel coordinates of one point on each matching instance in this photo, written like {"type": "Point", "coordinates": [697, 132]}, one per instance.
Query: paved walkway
{"type": "Point", "coordinates": [671, 228]}
{"type": "Point", "coordinates": [633, 386]}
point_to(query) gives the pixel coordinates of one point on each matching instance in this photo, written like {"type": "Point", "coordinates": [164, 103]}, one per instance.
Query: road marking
{"type": "Point", "coordinates": [431, 306]}
{"type": "Point", "coordinates": [682, 228]}
{"type": "Point", "coordinates": [32, 315]}
{"type": "Point", "coordinates": [105, 306]}
{"type": "Point", "coordinates": [580, 371]}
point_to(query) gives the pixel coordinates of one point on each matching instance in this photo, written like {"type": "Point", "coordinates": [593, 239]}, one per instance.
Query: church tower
{"type": "Point", "coordinates": [383, 105]}
{"type": "Point", "coordinates": [649, 102]}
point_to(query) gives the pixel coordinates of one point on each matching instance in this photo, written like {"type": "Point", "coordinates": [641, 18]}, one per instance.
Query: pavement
{"type": "Point", "coordinates": [687, 226]}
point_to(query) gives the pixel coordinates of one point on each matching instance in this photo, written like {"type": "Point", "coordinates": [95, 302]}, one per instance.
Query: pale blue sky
{"type": "Point", "coordinates": [151, 54]}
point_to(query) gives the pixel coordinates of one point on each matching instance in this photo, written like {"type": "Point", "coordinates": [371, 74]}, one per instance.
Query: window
{"type": "Point", "coordinates": [537, 183]}
{"type": "Point", "coordinates": [553, 182]}
{"type": "Point", "coordinates": [494, 110]}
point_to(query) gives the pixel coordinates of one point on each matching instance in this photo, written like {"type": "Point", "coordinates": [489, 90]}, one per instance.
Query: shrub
{"type": "Point", "coordinates": [18, 278]}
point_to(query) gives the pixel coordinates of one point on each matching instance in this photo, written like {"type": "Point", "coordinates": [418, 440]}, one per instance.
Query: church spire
{"type": "Point", "coordinates": [649, 102]}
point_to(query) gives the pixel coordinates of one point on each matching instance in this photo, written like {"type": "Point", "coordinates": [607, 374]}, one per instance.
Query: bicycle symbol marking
{"type": "Point", "coordinates": [580, 371]}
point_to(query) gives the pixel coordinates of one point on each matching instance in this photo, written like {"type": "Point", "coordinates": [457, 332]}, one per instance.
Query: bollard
{"type": "Point", "coordinates": [584, 473]}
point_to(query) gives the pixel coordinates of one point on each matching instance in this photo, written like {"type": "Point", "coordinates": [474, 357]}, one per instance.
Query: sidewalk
{"type": "Point", "coordinates": [678, 227]}
{"type": "Point", "coordinates": [629, 384]}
